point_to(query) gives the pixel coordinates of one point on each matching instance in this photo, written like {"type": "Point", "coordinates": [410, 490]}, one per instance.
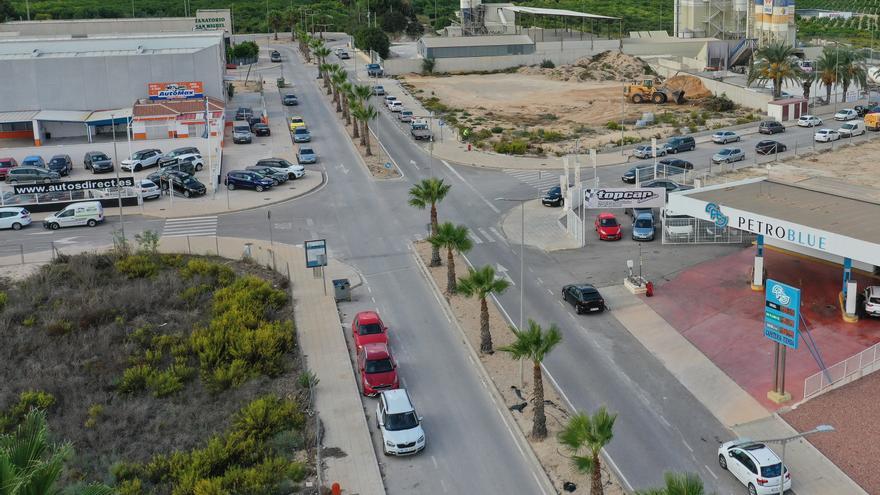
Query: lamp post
{"type": "Point", "coordinates": [785, 440]}
{"type": "Point", "coordinates": [116, 168]}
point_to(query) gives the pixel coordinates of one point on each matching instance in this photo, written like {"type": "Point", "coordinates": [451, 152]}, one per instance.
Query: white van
{"type": "Point", "coordinates": [677, 226]}
{"type": "Point", "coordinates": [89, 213]}
{"type": "Point", "coordinates": [852, 128]}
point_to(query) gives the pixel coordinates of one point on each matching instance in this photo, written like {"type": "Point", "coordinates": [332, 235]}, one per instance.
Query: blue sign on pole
{"type": "Point", "coordinates": [782, 313]}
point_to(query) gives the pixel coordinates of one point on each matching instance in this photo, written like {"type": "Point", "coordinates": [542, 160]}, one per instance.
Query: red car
{"type": "Point", "coordinates": [377, 368]}
{"type": "Point", "coordinates": [367, 328]}
{"type": "Point", "coordinates": [607, 227]}
{"type": "Point", "coordinates": [5, 165]}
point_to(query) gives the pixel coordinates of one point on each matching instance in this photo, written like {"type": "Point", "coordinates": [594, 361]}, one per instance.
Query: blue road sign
{"type": "Point", "coordinates": [782, 313]}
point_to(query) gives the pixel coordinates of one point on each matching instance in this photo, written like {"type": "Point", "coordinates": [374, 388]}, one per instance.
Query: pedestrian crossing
{"type": "Point", "coordinates": [477, 235]}
{"type": "Point", "coordinates": [190, 226]}
{"type": "Point", "coordinates": [539, 179]}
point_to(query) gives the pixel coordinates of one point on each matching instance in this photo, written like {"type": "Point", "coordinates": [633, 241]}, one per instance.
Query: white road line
{"type": "Point", "coordinates": [474, 237]}
{"type": "Point", "coordinates": [171, 220]}
{"type": "Point", "coordinates": [443, 485]}
{"type": "Point", "coordinates": [550, 291]}
{"type": "Point", "coordinates": [472, 188]}
{"type": "Point", "coordinates": [434, 460]}
{"type": "Point", "coordinates": [710, 471]}
{"type": "Point", "coordinates": [687, 445]}
{"type": "Point", "coordinates": [369, 289]}
{"type": "Point", "coordinates": [540, 282]}
{"type": "Point", "coordinates": [310, 222]}
{"type": "Point", "coordinates": [572, 317]}
{"type": "Point", "coordinates": [373, 299]}
{"type": "Point", "coordinates": [486, 235]}
{"type": "Point", "coordinates": [560, 303]}
{"type": "Point", "coordinates": [498, 234]}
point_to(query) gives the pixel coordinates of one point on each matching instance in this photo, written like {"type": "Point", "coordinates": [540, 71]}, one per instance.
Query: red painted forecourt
{"type": "Point", "coordinates": [78, 185]}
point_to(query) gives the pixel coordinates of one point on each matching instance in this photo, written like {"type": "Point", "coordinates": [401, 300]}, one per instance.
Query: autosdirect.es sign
{"type": "Point", "coordinates": [184, 90]}
{"type": "Point", "coordinates": [75, 185]}
{"type": "Point", "coordinates": [625, 197]}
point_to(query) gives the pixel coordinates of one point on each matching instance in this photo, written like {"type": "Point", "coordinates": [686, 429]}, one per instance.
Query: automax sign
{"type": "Point", "coordinates": [184, 90]}
{"type": "Point", "coordinates": [75, 185]}
{"type": "Point", "coordinates": [625, 197]}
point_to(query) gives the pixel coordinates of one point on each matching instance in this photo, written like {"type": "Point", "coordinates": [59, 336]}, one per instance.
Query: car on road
{"type": "Point", "coordinates": [377, 369]}
{"type": "Point", "coordinates": [668, 163]}
{"type": "Point", "coordinates": [147, 189]}
{"type": "Point", "coordinates": [183, 183]}
{"type": "Point", "coordinates": [769, 147]}
{"type": "Point", "coordinates": [244, 113]}
{"type": "Point", "coordinates": [755, 466]}
{"type": "Point", "coordinates": [399, 424]}
{"type": "Point", "coordinates": [245, 179]}
{"type": "Point", "coordinates": [584, 297]}
{"type": "Point", "coordinates": [388, 99]}
{"type": "Point", "coordinates": [277, 178]}
{"type": "Point", "coordinates": [728, 155]}
{"type": "Point", "coordinates": [367, 328]}
{"type": "Point", "coordinates": [642, 172]}
{"type": "Point", "coordinates": [607, 227]}
{"type": "Point", "coordinates": [61, 164]}
{"type": "Point", "coordinates": [283, 166]}
{"type": "Point", "coordinates": [31, 174]}
{"type": "Point", "coordinates": [420, 131]}
{"type": "Point", "coordinates": [846, 114]}
{"type": "Point", "coordinates": [826, 135]}
{"type": "Point", "coordinates": [88, 213]}
{"type": "Point", "coordinates": [301, 135]}
{"type": "Point", "coordinates": [5, 165]}
{"type": "Point", "coordinates": [296, 121]}
{"type": "Point", "coordinates": [290, 100]}
{"type": "Point", "coordinates": [680, 143]}
{"type": "Point", "coordinates": [261, 129]}
{"type": "Point", "coordinates": [808, 121]}
{"type": "Point", "coordinates": [643, 224]}
{"type": "Point", "coordinates": [33, 161]}
{"type": "Point", "coordinates": [14, 218]}
{"type": "Point", "coordinates": [872, 300]}
{"type": "Point", "coordinates": [241, 132]}
{"type": "Point", "coordinates": [306, 155]}
{"type": "Point", "coordinates": [275, 56]}
{"type": "Point", "coordinates": [375, 70]}
{"type": "Point", "coordinates": [669, 185]}
{"type": "Point", "coordinates": [405, 116]}
{"type": "Point", "coordinates": [342, 54]}
{"type": "Point", "coordinates": [862, 110]}
{"type": "Point", "coordinates": [724, 137]}
{"type": "Point", "coordinates": [770, 127]}
{"type": "Point", "coordinates": [646, 151]}
{"type": "Point", "coordinates": [142, 159]}
{"type": "Point", "coordinates": [851, 129]}
{"type": "Point", "coordinates": [97, 162]}
{"type": "Point", "coordinates": [378, 90]}
{"type": "Point", "coordinates": [553, 197]}
{"type": "Point", "coordinates": [395, 106]}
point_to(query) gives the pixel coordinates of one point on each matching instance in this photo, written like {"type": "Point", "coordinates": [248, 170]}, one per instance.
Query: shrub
{"type": "Point", "coordinates": [612, 126]}
{"type": "Point", "coordinates": [514, 147]}
{"type": "Point", "coordinates": [719, 103]}
{"type": "Point", "coordinates": [428, 65]}
{"type": "Point", "coordinates": [138, 266]}
{"type": "Point", "coordinates": [59, 327]}
{"type": "Point", "coordinates": [4, 298]}
{"type": "Point", "coordinates": [29, 321]}
{"type": "Point", "coordinates": [148, 241]}
{"type": "Point", "coordinates": [134, 379]}
{"type": "Point", "coordinates": [497, 130]}
{"type": "Point", "coordinates": [129, 487]}
{"type": "Point", "coordinates": [27, 400]}
{"type": "Point", "coordinates": [95, 413]}
{"type": "Point", "coordinates": [552, 136]}
{"type": "Point", "coordinates": [220, 275]}
{"type": "Point", "coordinates": [483, 134]}
{"type": "Point", "coordinates": [547, 64]}
{"type": "Point", "coordinates": [166, 382]}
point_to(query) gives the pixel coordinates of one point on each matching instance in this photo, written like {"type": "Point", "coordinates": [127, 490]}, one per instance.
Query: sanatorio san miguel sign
{"type": "Point", "coordinates": [183, 90]}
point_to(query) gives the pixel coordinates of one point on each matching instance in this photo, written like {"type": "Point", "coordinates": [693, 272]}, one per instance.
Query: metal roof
{"type": "Point", "coordinates": [13, 117]}
{"type": "Point", "coordinates": [557, 12]}
{"type": "Point", "coordinates": [62, 115]}
{"type": "Point", "coordinates": [107, 45]}
{"type": "Point", "coordinates": [121, 113]}
{"type": "Point", "coordinates": [453, 41]}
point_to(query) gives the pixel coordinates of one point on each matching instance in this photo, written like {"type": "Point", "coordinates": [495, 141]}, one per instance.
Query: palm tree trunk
{"type": "Point", "coordinates": [596, 477]}
{"type": "Point", "coordinates": [777, 88]}
{"type": "Point", "coordinates": [845, 88]}
{"type": "Point", "coordinates": [367, 138]}
{"type": "Point", "coordinates": [276, 35]}
{"type": "Point", "coordinates": [828, 94]}
{"type": "Point", "coordinates": [539, 424]}
{"type": "Point", "coordinates": [485, 336]}
{"type": "Point", "coordinates": [356, 134]}
{"type": "Point", "coordinates": [363, 133]}
{"type": "Point", "coordinates": [338, 102]}
{"type": "Point", "coordinates": [345, 111]}
{"type": "Point", "coordinates": [435, 251]}
{"type": "Point", "coordinates": [450, 272]}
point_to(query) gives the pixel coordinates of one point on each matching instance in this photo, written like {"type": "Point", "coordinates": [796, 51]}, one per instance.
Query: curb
{"type": "Point", "coordinates": [496, 396]}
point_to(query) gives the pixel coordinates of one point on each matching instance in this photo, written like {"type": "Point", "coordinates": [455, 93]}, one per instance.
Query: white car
{"type": "Point", "coordinates": [14, 218]}
{"type": "Point", "coordinates": [196, 159]}
{"type": "Point", "coordinates": [646, 151]}
{"type": "Point", "coordinates": [141, 159]}
{"type": "Point", "coordinates": [846, 114]}
{"type": "Point", "coordinates": [401, 427]}
{"type": "Point", "coordinates": [872, 300]}
{"type": "Point", "coordinates": [808, 121]}
{"type": "Point", "coordinates": [389, 99]}
{"type": "Point", "coordinates": [147, 189]}
{"type": "Point", "coordinates": [826, 135]}
{"type": "Point", "coordinates": [851, 129]}
{"type": "Point", "coordinates": [293, 171]}
{"type": "Point", "coordinates": [728, 155]}
{"type": "Point", "coordinates": [395, 106]}
{"type": "Point", "coordinates": [755, 465]}
{"type": "Point", "coordinates": [724, 137]}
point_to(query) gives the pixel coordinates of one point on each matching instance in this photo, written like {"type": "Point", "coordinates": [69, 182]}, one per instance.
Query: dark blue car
{"type": "Point", "coordinates": [247, 180]}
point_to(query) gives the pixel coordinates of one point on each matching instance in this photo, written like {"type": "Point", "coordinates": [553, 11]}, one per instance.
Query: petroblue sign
{"type": "Point", "coordinates": [782, 313]}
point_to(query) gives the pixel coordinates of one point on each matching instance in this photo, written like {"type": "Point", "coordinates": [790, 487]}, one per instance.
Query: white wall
{"type": "Point", "coordinates": [63, 129]}
{"type": "Point", "coordinates": [738, 94]}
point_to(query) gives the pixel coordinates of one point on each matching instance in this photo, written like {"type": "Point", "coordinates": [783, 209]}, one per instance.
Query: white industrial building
{"type": "Point", "coordinates": [765, 21]}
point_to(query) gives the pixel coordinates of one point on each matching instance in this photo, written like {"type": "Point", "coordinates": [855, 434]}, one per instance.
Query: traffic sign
{"type": "Point", "coordinates": [782, 313]}
{"type": "Point", "coordinates": [388, 165]}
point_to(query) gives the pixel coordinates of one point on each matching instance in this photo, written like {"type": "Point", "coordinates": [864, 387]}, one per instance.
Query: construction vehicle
{"type": "Point", "coordinates": [649, 90]}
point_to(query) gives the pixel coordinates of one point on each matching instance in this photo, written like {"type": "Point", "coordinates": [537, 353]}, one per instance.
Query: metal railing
{"type": "Point", "coordinates": [8, 198]}
{"type": "Point", "coordinates": [848, 370]}
{"type": "Point", "coordinates": [41, 252]}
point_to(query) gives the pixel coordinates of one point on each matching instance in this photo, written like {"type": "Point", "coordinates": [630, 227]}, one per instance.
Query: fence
{"type": "Point", "coordinates": [846, 371]}
{"type": "Point", "coordinates": [8, 198]}
{"type": "Point", "coordinates": [19, 254]}
{"type": "Point", "coordinates": [681, 229]}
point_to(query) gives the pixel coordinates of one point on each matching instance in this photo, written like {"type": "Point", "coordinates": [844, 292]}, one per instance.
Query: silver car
{"type": "Point", "coordinates": [646, 151]}
{"type": "Point", "coordinates": [142, 159]}
{"type": "Point", "coordinates": [728, 155]}
{"type": "Point", "coordinates": [724, 137]}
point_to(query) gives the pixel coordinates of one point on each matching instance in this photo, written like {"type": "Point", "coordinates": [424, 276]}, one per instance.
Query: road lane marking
{"type": "Point", "coordinates": [475, 238]}
{"type": "Point", "coordinates": [550, 291]}
{"type": "Point", "coordinates": [486, 235]}
{"type": "Point", "coordinates": [540, 282]}
{"type": "Point", "coordinates": [434, 460]}
{"type": "Point", "coordinates": [687, 445]}
{"type": "Point", "coordinates": [472, 188]}
{"type": "Point", "coordinates": [494, 231]}
{"type": "Point", "coordinates": [443, 484]}
{"type": "Point", "coordinates": [560, 303]}
{"type": "Point", "coordinates": [710, 471]}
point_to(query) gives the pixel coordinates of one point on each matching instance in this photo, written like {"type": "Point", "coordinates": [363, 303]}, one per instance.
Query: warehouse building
{"type": "Point", "coordinates": [475, 46]}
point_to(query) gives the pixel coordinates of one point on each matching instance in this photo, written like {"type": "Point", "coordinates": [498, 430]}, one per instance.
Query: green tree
{"type": "Point", "coordinates": [775, 63]}
{"type": "Point", "coordinates": [481, 284]}
{"type": "Point", "coordinates": [290, 16]}
{"type": "Point", "coordinates": [534, 344]}
{"type": "Point", "coordinates": [276, 21]}
{"type": "Point", "coordinates": [337, 79]}
{"type": "Point", "coordinates": [369, 113]}
{"type": "Point", "coordinates": [585, 436]}
{"type": "Point", "coordinates": [827, 71]}
{"type": "Point", "coordinates": [414, 28]}
{"type": "Point", "coordinates": [360, 93]}
{"type": "Point", "coordinates": [356, 110]}
{"type": "Point", "coordinates": [455, 239]}
{"type": "Point", "coordinates": [394, 22]}
{"type": "Point", "coordinates": [7, 11]}
{"type": "Point", "coordinates": [347, 89]}
{"type": "Point", "coordinates": [305, 42]}
{"type": "Point", "coordinates": [807, 81]}
{"type": "Point", "coordinates": [372, 38]}
{"type": "Point", "coordinates": [852, 69]}
{"type": "Point", "coordinates": [322, 52]}
{"type": "Point", "coordinates": [428, 65]}
{"type": "Point", "coordinates": [426, 193]}
{"type": "Point", "coordinates": [677, 484]}
{"type": "Point", "coordinates": [246, 50]}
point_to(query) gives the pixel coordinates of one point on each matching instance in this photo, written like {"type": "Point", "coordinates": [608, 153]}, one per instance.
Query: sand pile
{"type": "Point", "coordinates": [605, 66]}
{"type": "Point", "coordinates": [692, 86]}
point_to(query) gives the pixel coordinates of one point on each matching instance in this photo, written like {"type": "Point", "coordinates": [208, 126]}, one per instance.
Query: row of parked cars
{"type": "Point", "coordinates": [418, 129]}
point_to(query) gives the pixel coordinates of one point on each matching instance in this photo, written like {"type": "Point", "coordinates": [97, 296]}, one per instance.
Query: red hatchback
{"type": "Point", "coordinates": [367, 328]}
{"type": "Point", "coordinates": [377, 368]}
{"type": "Point", "coordinates": [5, 165]}
{"type": "Point", "coordinates": [607, 227]}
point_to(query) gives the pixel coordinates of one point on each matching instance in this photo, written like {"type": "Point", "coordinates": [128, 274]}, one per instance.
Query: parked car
{"type": "Point", "coordinates": [89, 213]}
{"type": "Point", "coordinates": [147, 189]}
{"type": "Point", "coordinates": [826, 135]}
{"type": "Point", "coordinates": [728, 155]}
{"type": "Point", "coordinates": [607, 227]}
{"type": "Point", "coordinates": [768, 147]}
{"type": "Point", "coordinates": [33, 161]}
{"type": "Point", "coordinates": [296, 121]}
{"type": "Point", "coordinates": [142, 159]}
{"type": "Point", "coordinates": [808, 121]}
{"type": "Point", "coordinates": [668, 163]}
{"type": "Point", "coordinates": [275, 56]}
{"type": "Point", "coordinates": [183, 183]}
{"type": "Point", "coordinates": [644, 172]}
{"type": "Point", "coordinates": [306, 155]}
{"type": "Point", "coordinates": [97, 162]}
{"type": "Point", "coordinates": [261, 129]}
{"type": "Point", "coordinates": [669, 185]}
{"type": "Point", "coordinates": [388, 99]}
{"type": "Point", "coordinates": [283, 166]}
{"type": "Point", "coordinates": [342, 54]}
{"type": "Point", "coordinates": [405, 116]}
{"type": "Point", "coordinates": [553, 197]}
{"type": "Point", "coordinates": [862, 110]}
{"type": "Point", "coordinates": [290, 100]}
{"type": "Point", "coordinates": [755, 466]}
{"type": "Point", "coordinates": [846, 114]}
{"type": "Point", "coordinates": [183, 151]}
{"type": "Point", "coordinates": [420, 131]}
{"type": "Point", "coordinates": [770, 127]}
{"type": "Point", "coordinates": [61, 164]}
{"type": "Point", "coordinates": [643, 224]}
{"type": "Point", "coordinates": [241, 132]}
{"type": "Point", "coordinates": [851, 129]}
{"type": "Point", "coordinates": [301, 135]}
{"type": "Point", "coordinates": [14, 218]}
{"type": "Point", "coordinates": [375, 70]}
{"type": "Point", "coordinates": [377, 369]}
{"type": "Point", "coordinates": [681, 143]}
{"type": "Point", "coordinates": [677, 226]}
{"type": "Point", "coordinates": [724, 137]}
{"type": "Point", "coordinates": [277, 178]}
{"type": "Point", "coordinates": [646, 151]}
{"type": "Point", "coordinates": [246, 179]}
{"type": "Point", "coordinates": [367, 328]}
{"type": "Point", "coordinates": [872, 300]}
{"type": "Point", "coordinates": [31, 174]}
{"type": "Point", "coordinates": [379, 90]}
{"type": "Point", "coordinates": [399, 424]}
{"type": "Point", "coordinates": [243, 113]}
{"type": "Point", "coordinates": [5, 165]}
{"type": "Point", "coordinates": [395, 106]}
{"type": "Point", "coordinates": [584, 297]}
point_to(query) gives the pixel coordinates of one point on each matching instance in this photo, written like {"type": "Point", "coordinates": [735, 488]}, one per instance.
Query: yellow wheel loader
{"type": "Point", "coordinates": [649, 90]}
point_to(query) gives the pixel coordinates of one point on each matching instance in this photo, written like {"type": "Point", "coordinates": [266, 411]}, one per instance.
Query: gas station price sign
{"type": "Point", "coordinates": [782, 313]}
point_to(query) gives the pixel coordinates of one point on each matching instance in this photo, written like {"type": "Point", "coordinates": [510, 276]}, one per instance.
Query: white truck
{"type": "Point", "coordinates": [677, 226]}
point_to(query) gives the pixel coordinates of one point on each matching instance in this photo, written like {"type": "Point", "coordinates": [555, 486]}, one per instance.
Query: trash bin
{"type": "Point", "coordinates": [342, 289]}
{"type": "Point", "coordinates": [280, 82]}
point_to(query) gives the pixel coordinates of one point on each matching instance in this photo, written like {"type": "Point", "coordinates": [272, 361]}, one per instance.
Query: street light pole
{"type": "Point", "coordinates": [522, 285]}
{"type": "Point", "coordinates": [116, 168]}
{"type": "Point", "coordinates": [785, 440]}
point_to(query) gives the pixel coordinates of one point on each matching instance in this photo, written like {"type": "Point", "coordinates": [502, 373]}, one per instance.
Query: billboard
{"type": "Point", "coordinates": [74, 185]}
{"type": "Point", "coordinates": [625, 197]}
{"type": "Point", "coordinates": [316, 253]}
{"type": "Point", "coordinates": [183, 90]}
{"type": "Point", "coordinates": [782, 313]}
{"type": "Point", "coordinates": [213, 20]}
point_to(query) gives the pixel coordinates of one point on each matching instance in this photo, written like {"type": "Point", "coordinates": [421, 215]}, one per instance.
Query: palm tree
{"type": "Point", "coordinates": [482, 283]}
{"type": "Point", "coordinates": [290, 20]}
{"type": "Point", "coordinates": [534, 344]}
{"type": "Point", "coordinates": [776, 63]}
{"type": "Point", "coordinates": [827, 71]}
{"type": "Point", "coordinates": [807, 81]}
{"type": "Point", "coordinates": [852, 69]}
{"type": "Point", "coordinates": [453, 238]}
{"type": "Point", "coordinates": [347, 94]}
{"type": "Point", "coordinates": [338, 78]}
{"type": "Point", "coordinates": [429, 192]}
{"type": "Point", "coordinates": [369, 114]}
{"type": "Point", "coordinates": [276, 21]}
{"type": "Point", "coordinates": [585, 436]}
{"type": "Point", "coordinates": [322, 52]}
{"type": "Point", "coordinates": [360, 113]}
{"type": "Point", "coordinates": [356, 109]}
{"type": "Point", "coordinates": [305, 41]}
{"type": "Point", "coordinates": [677, 484]}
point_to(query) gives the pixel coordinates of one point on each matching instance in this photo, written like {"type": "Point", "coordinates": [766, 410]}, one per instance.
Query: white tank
{"type": "Point", "coordinates": [874, 74]}
{"type": "Point", "coordinates": [469, 4]}
{"type": "Point", "coordinates": [740, 5]}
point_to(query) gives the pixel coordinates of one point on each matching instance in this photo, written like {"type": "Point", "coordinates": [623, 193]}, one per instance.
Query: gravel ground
{"type": "Point", "coordinates": [855, 445]}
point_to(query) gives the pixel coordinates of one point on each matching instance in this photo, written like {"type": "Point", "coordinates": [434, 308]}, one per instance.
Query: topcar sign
{"type": "Point", "coordinates": [625, 197]}
{"type": "Point", "coordinates": [184, 90]}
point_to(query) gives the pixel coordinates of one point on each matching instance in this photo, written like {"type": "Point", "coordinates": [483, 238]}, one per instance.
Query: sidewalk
{"type": "Point", "coordinates": [322, 341]}
{"type": "Point", "coordinates": [732, 406]}
{"type": "Point", "coordinates": [542, 227]}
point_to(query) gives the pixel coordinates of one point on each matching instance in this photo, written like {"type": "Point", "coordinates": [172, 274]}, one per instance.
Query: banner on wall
{"type": "Point", "coordinates": [184, 90]}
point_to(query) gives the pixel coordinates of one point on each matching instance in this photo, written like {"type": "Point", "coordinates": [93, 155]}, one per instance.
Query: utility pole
{"type": "Point", "coordinates": [116, 168]}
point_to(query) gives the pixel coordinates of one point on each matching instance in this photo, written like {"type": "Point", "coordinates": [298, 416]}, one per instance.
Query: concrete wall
{"type": "Point", "coordinates": [741, 96]}
{"type": "Point", "coordinates": [80, 27]}
{"type": "Point", "coordinates": [103, 82]}
{"type": "Point", "coordinates": [62, 129]}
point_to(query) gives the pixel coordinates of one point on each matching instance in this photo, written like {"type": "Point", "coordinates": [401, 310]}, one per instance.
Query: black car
{"type": "Point", "coordinates": [243, 113]}
{"type": "Point", "coordinates": [97, 162]}
{"type": "Point", "coordinates": [290, 100]}
{"type": "Point", "coordinates": [584, 297]}
{"type": "Point", "coordinates": [862, 110]}
{"type": "Point", "coordinates": [61, 164]}
{"type": "Point", "coordinates": [160, 178]}
{"type": "Point", "coordinates": [261, 129]}
{"type": "Point", "coordinates": [768, 147]}
{"type": "Point", "coordinates": [184, 184]}
{"type": "Point", "coordinates": [276, 177]}
{"type": "Point", "coordinates": [677, 163]}
{"type": "Point", "coordinates": [553, 197]}
{"type": "Point", "coordinates": [770, 127]}
{"type": "Point", "coordinates": [178, 165]}
{"type": "Point", "coordinates": [645, 172]}
{"type": "Point", "coordinates": [669, 185]}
